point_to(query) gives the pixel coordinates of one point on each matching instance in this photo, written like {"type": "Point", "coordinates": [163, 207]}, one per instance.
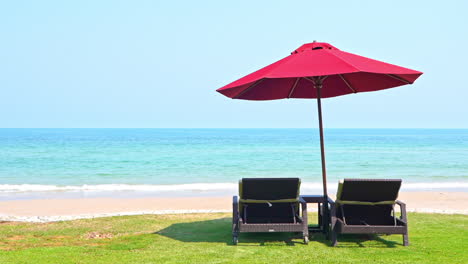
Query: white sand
{"type": "Point", "coordinates": [68, 209]}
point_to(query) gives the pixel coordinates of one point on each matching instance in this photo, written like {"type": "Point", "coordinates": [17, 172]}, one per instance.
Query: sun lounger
{"type": "Point", "coordinates": [367, 206]}
{"type": "Point", "coordinates": [269, 205]}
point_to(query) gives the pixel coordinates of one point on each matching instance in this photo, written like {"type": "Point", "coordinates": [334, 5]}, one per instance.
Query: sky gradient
{"type": "Point", "coordinates": [158, 63]}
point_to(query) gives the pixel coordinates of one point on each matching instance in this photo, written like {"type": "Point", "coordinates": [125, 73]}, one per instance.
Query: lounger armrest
{"type": "Point", "coordinates": [402, 210]}
{"type": "Point", "coordinates": [303, 204]}
{"type": "Point", "coordinates": [235, 213]}
{"type": "Point", "coordinates": [304, 210]}
{"type": "Point", "coordinates": [302, 201]}
{"type": "Point", "coordinates": [400, 203]}
{"type": "Point", "coordinates": [235, 204]}
{"type": "Point", "coordinates": [332, 209]}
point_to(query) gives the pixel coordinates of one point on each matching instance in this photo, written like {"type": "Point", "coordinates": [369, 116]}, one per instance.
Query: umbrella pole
{"type": "Point", "coordinates": [318, 86]}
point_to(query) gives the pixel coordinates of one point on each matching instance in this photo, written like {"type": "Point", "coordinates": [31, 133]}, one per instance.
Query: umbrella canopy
{"type": "Point", "coordinates": [341, 73]}
{"type": "Point", "coordinates": [319, 70]}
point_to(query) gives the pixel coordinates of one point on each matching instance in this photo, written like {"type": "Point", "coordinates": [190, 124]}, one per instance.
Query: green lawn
{"type": "Point", "coordinates": [206, 238]}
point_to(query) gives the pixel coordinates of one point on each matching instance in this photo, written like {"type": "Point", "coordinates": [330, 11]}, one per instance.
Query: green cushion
{"type": "Point", "coordinates": [364, 203]}
{"type": "Point", "coordinates": [268, 201]}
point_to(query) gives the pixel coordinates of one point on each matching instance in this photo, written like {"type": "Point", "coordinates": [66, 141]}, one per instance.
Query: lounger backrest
{"type": "Point", "coordinates": [369, 190]}
{"type": "Point", "coordinates": [270, 189]}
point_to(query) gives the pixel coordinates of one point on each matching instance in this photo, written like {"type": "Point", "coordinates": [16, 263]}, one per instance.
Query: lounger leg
{"type": "Point", "coordinates": [333, 234]}
{"type": "Point", "coordinates": [320, 214]}
{"type": "Point", "coordinates": [305, 234]}
{"type": "Point", "coordinates": [404, 218]}
{"type": "Point", "coordinates": [334, 239]}
{"type": "Point", "coordinates": [235, 239]}
{"type": "Point", "coordinates": [305, 222]}
{"type": "Point", "coordinates": [405, 240]}
{"type": "Point", "coordinates": [235, 220]}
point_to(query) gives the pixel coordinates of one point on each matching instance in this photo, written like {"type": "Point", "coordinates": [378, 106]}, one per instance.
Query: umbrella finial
{"type": "Point", "coordinates": [314, 41]}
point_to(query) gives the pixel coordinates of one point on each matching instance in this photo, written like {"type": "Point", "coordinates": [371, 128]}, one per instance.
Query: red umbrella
{"type": "Point", "coordinates": [319, 70]}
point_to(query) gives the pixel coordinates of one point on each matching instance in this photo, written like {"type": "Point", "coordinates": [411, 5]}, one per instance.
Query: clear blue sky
{"type": "Point", "coordinates": [158, 63]}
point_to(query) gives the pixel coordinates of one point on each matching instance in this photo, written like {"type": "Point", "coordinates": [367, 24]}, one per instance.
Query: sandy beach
{"type": "Point", "coordinates": [45, 210]}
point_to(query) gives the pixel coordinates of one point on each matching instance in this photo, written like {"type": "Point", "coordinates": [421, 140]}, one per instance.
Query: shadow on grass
{"type": "Point", "coordinates": [219, 231]}
{"type": "Point", "coordinates": [372, 241]}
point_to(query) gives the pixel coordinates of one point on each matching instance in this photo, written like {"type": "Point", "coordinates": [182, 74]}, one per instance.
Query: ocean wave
{"type": "Point", "coordinates": [116, 187]}
{"type": "Point", "coordinates": [434, 185]}
{"type": "Point", "coordinates": [196, 187]}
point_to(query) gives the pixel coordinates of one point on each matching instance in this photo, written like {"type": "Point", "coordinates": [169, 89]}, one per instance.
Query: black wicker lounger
{"type": "Point", "coordinates": [366, 206]}
{"type": "Point", "coordinates": [269, 205]}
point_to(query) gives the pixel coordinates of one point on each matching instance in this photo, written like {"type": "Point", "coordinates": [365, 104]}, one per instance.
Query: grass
{"type": "Point", "coordinates": [206, 238]}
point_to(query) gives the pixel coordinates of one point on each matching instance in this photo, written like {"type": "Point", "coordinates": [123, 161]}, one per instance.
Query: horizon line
{"type": "Point", "coordinates": [447, 128]}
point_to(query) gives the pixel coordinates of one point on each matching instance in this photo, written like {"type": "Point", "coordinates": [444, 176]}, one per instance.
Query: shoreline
{"type": "Point", "coordinates": [10, 192]}
{"type": "Point", "coordinates": [50, 210]}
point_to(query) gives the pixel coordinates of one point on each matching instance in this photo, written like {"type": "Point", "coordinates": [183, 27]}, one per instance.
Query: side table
{"type": "Point", "coordinates": [323, 220]}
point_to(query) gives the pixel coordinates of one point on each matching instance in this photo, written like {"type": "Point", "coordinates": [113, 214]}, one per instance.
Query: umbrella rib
{"type": "Point", "coordinates": [319, 78]}
{"type": "Point", "coordinates": [310, 80]}
{"type": "Point", "coordinates": [347, 83]}
{"type": "Point", "coordinates": [324, 77]}
{"type": "Point", "coordinates": [398, 78]}
{"type": "Point", "coordinates": [293, 87]}
{"type": "Point", "coordinates": [248, 88]}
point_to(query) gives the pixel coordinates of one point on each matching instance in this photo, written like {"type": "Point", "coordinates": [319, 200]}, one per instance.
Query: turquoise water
{"type": "Point", "coordinates": [92, 157]}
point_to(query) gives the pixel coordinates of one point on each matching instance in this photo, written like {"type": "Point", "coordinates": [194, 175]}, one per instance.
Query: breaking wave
{"type": "Point", "coordinates": [201, 187]}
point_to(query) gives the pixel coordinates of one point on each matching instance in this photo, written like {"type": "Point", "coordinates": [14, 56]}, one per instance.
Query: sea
{"type": "Point", "coordinates": [70, 163]}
